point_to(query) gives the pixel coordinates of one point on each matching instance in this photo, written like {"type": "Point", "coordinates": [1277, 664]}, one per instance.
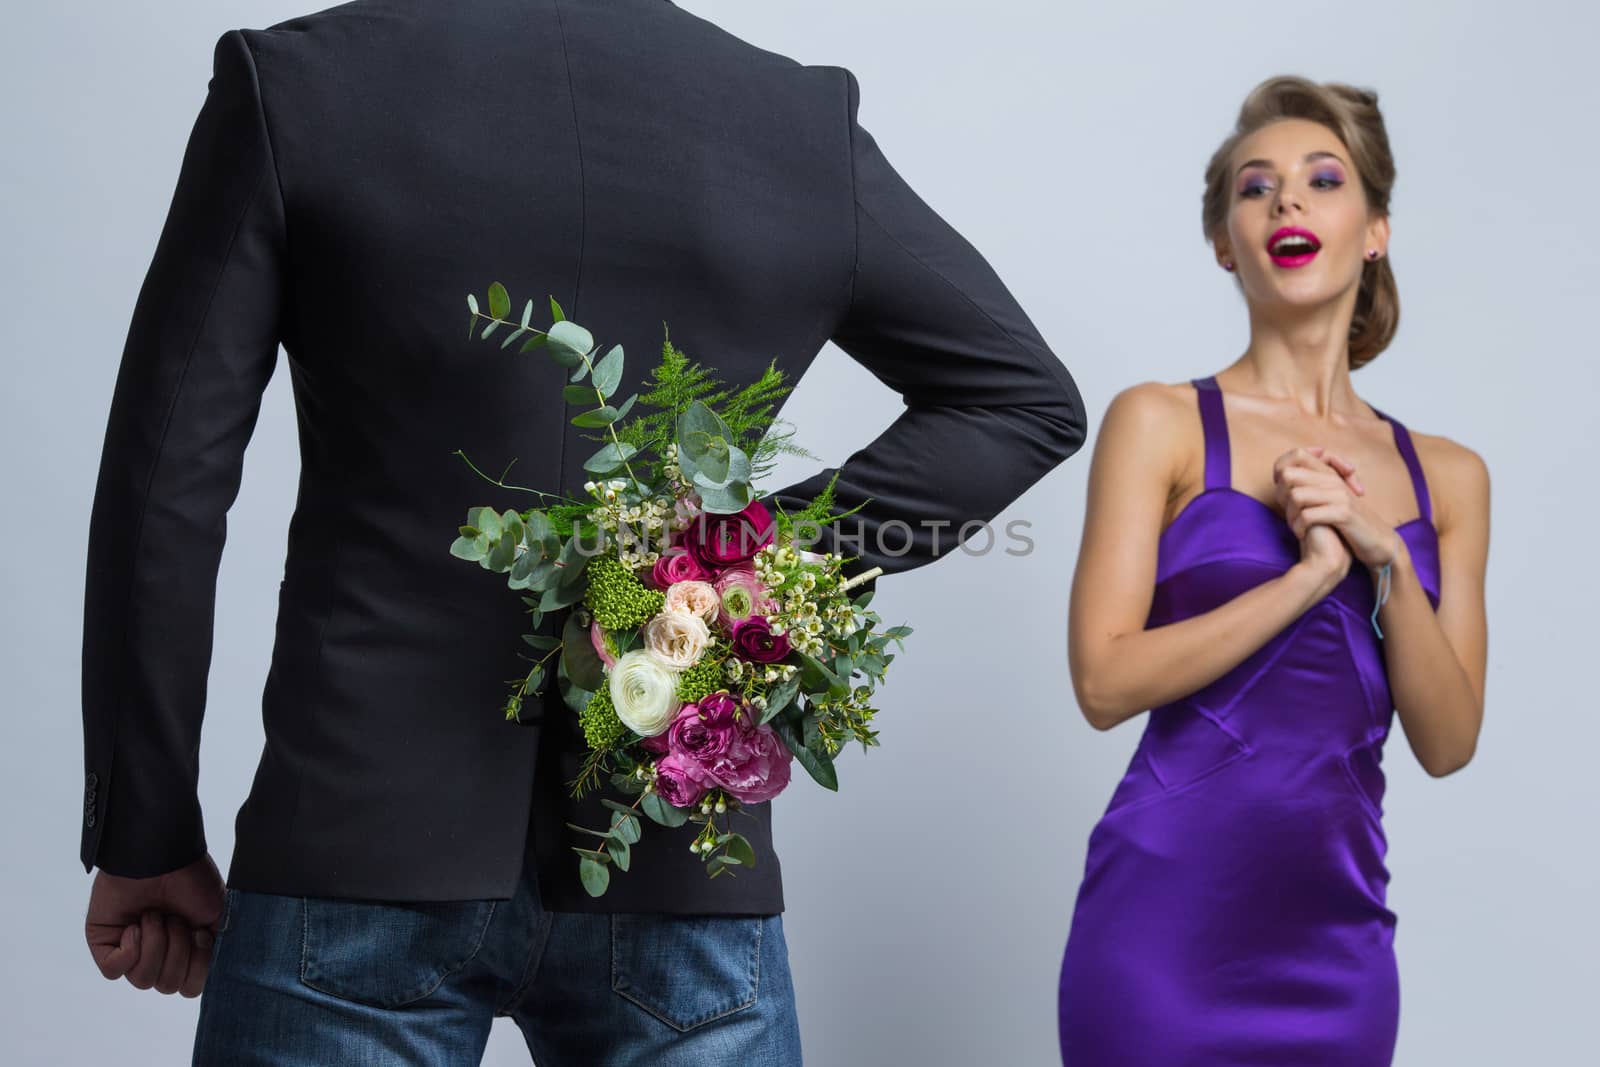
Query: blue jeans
{"type": "Point", "coordinates": [301, 981]}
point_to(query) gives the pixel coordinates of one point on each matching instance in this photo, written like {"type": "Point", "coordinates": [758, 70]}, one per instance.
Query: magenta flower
{"type": "Point", "coordinates": [754, 640]}
{"type": "Point", "coordinates": [695, 735]}
{"type": "Point", "coordinates": [755, 768]}
{"type": "Point", "coordinates": [678, 564]}
{"type": "Point", "coordinates": [676, 784]}
{"type": "Point", "coordinates": [724, 708]}
{"type": "Point", "coordinates": [723, 541]}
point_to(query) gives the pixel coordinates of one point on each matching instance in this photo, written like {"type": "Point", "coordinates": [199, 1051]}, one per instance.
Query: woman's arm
{"type": "Point", "coordinates": [1436, 662]}
{"type": "Point", "coordinates": [1118, 667]}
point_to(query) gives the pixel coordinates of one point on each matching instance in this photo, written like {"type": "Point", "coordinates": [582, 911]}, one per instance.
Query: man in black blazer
{"type": "Point", "coordinates": [352, 175]}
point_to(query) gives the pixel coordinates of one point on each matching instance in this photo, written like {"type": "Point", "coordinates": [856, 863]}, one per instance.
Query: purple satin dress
{"type": "Point", "coordinates": [1232, 909]}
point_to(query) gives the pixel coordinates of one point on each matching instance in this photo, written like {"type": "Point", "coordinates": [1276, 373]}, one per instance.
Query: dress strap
{"type": "Point", "coordinates": [1408, 452]}
{"type": "Point", "coordinates": [1214, 423]}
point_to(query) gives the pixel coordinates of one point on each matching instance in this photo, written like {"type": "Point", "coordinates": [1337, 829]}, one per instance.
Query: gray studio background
{"type": "Point", "coordinates": [929, 901]}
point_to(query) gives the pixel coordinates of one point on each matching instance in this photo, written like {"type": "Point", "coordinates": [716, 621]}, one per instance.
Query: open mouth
{"type": "Point", "coordinates": [1293, 247]}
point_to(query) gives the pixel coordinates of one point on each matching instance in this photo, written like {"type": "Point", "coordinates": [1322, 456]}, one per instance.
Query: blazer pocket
{"type": "Point", "coordinates": [686, 970]}
{"type": "Point", "coordinates": [386, 955]}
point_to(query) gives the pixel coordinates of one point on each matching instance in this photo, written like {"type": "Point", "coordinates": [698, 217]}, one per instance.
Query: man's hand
{"type": "Point", "coordinates": [156, 931]}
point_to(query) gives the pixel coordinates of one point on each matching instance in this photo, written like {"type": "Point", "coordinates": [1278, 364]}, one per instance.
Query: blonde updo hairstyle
{"type": "Point", "coordinates": [1352, 114]}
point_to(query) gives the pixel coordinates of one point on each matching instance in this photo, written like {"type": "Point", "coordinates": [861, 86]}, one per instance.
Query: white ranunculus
{"type": "Point", "coordinates": [644, 692]}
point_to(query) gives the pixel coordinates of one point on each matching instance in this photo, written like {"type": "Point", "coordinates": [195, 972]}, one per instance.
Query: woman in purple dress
{"type": "Point", "coordinates": [1273, 568]}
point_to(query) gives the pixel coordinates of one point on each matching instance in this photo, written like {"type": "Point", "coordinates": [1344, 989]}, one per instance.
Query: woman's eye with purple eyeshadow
{"type": "Point", "coordinates": [1254, 186]}
{"type": "Point", "coordinates": [1327, 181]}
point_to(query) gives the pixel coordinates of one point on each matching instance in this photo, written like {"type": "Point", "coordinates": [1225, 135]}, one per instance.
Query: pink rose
{"type": "Point", "coordinates": [754, 640]}
{"type": "Point", "coordinates": [677, 564]}
{"type": "Point", "coordinates": [722, 541]}
{"type": "Point", "coordinates": [695, 597]}
{"type": "Point", "coordinates": [675, 784]}
{"type": "Point", "coordinates": [755, 767]}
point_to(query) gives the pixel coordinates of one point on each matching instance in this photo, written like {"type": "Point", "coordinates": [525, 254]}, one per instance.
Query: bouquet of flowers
{"type": "Point", "coordinates": [704, 647]}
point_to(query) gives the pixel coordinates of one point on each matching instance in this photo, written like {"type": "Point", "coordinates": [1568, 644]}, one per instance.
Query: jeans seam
{"type": "Point", "coordinates": [531, 968]}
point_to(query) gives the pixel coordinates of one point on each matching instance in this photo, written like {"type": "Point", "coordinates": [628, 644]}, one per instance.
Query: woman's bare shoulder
{"type": "Point", "coordinates": [1152, 406]}
{"type": "Point", "coordinates": [1458, 477]}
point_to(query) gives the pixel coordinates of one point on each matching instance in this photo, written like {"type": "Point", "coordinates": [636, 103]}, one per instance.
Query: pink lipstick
{"type": "Point", "coordinates": [1293, 246]}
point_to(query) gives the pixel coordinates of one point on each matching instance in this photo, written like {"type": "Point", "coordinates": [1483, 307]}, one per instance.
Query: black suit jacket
{"type": "Point", "coordinates": [351, 176]}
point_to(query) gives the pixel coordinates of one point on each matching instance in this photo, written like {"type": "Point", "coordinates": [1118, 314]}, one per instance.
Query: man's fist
{"type": "Point", "coordinates": [156, 931]}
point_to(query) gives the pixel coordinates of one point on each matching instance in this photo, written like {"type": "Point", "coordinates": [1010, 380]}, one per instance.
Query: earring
{"type": "Point", "coordinates": [1227, 266]}
{"type": "Point", "coordinates": [1372, 253]}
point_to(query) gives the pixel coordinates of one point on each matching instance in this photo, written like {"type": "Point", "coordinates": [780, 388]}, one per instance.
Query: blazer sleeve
{"type": "Point", "coordinates": [989, 408]}
{"type": "Point", "coordinates": [200, 349]}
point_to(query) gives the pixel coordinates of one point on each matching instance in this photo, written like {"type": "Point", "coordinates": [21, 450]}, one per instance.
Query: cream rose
{"type": "Point", "coordinates": [697, 598]}
{"type": "Point", "coordinates": [644, 692]}
{"type": "Point", "coordinates": [676, 639]}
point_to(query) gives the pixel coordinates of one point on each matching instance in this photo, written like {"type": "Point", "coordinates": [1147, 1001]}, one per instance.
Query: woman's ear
{"type": "Point", "coordinates": [1224, 254]}
{"type": "Point", "coordinates": [1378, 236]}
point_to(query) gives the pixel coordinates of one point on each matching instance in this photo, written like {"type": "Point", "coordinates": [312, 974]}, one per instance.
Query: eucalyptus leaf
{"type": "Point", "coordinates": [569, 337]}
{"type": "Point", "coordinates": [556, 597]}
{"type": "Point", "coordinates": [467, 548]}
{"type": "Point", "coordinates": [472, 303]}
{"type": "Point", "coordinates": [488, 521]}
{"type": "Point", "coordinates": [527, 315]}
{"type": "Point", "coordinates": [503, 553]}
{"type": "Point", "coordinates": [578, 394]}
{"type": "Point", "coordinates": [523, 567]}
{"type": "Point", "coordinates": [533, 342]}
{"type": "Point", "coordinates": [740, 850]}
{"type": "Point", "coordinates": [662, 812]}
{"type": "Point", "coordinates": [595, 876]}
{"type": "Point", "coordinates": [619, 853]}
{"type": "Point", "coordinates": [603, 416]}
{"type": "Point", "coordinates": [622, 409]}
{"type": "Point", "coordinates": [609, 458]}
{"type": "Point", "coordinates": [499, 301]}
{"type": "Point", "coordinates": [556, 314]}
{"type": "Point", "coordinates": [729, 500]}
{"type": "Point", "coordinates": [537, 527]}
{"type": "Point", "coordinates": [714, 465]}
{"type": "Point", "coordinates": [608, 372]}
{"type": "Point", "coordinates": [494, 324]}
{"type": "Point", "coordinates": [584, 665]}
{"type": "Point", "coordinates": [625, 827]}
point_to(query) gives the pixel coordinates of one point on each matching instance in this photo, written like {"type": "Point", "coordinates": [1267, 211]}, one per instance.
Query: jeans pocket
{"type": "Point", "coordinates": [686, 970]}
{"type": "Point", "coordinates": [386, 955]}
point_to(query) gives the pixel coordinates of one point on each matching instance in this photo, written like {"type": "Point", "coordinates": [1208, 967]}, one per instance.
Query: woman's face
{"type": "Point", "coordinates": [1299, 227]}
